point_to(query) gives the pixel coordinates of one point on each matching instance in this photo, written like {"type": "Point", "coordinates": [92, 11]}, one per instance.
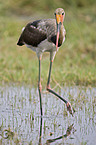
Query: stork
{"type": "Point", "coordinates": [45, 35]}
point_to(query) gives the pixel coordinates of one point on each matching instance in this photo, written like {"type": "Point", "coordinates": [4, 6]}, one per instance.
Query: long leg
{"type": "Point", "coordinates": [39, 86]}
{"type": "Point", "coordinates": [51, 91]}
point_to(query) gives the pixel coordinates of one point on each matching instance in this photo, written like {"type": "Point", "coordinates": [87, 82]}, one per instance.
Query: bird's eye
{"type": "Point", "coordinates": [62, 13]}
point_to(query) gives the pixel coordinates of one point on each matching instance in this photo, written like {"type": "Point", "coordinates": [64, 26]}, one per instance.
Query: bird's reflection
{"type": "Point", "coordinates": [7, 134]}
{"type": "Point", "coordinates": [40, 135]}
{"type": "Point", "coordinates": [68, 133]}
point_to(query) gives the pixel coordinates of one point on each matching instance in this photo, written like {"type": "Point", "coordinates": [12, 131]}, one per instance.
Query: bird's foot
{"type": "Point", "coordinates": [69, 108]}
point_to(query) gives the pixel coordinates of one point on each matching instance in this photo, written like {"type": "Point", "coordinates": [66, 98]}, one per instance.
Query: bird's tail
{"type": "Point", "coordinates": [20, 43]}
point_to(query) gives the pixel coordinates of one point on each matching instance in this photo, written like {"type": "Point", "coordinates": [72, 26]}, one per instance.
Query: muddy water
{"type": "Point", "coordinates": [20, 121]}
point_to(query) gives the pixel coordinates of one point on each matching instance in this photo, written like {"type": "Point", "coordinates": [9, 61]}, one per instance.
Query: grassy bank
{"type": "Point", "coordinates": [75, 62]}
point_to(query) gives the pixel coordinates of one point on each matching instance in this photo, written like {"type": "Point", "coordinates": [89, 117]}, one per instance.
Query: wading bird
{"type": "Point", "coordinates": [45, 35]}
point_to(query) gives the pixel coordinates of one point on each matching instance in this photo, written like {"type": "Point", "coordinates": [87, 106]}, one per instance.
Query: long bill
{"type": "Point", "coordinates": [57, 38]}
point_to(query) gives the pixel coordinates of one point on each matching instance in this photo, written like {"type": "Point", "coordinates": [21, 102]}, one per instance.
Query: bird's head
{"type": "Point", "coordinates": [59, 15]}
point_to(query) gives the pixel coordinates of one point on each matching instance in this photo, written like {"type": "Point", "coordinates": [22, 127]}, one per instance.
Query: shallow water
{"type": "Point", "coordinates": [20, 121]}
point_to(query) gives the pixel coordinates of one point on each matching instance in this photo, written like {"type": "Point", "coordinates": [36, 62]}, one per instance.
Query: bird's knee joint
{"type": "Point", "coordinates": [40, 87]}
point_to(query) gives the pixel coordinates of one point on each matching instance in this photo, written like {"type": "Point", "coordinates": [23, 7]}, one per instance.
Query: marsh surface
{"type": "Point", "coordinates": [20, 121]}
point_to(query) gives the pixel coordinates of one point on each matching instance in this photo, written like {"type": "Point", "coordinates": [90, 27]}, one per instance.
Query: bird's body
{"type": "Point", "coordinates": [40, 36]}
{"type": "Point", "coordinates": [45, 35]}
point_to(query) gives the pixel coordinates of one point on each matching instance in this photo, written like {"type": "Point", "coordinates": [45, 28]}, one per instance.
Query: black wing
{"type": "Point", "coordinates": [32, 35]}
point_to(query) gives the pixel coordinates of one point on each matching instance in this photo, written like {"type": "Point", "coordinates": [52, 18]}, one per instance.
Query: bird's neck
{"type": "Point", "coordinates": [61, 35]}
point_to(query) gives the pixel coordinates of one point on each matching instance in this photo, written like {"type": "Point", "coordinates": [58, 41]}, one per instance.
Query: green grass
{"type": "Point", "coordinates": [75, 62]}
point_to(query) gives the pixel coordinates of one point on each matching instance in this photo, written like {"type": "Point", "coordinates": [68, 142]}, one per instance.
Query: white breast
{"type": "Point", "coordinates": [45, 46]}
